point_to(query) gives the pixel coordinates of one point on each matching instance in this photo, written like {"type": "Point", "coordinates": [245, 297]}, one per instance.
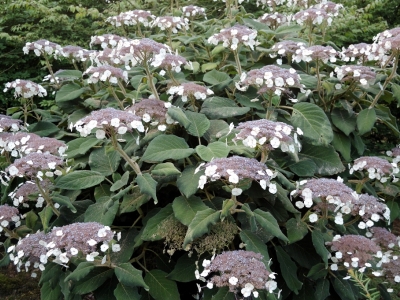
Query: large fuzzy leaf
{"type": "Point", "coordinates": [313, 122]}
{"type": "Point", "coordinates": [325, 158]}
{"type": "Point", "coordinates": [165, 147]}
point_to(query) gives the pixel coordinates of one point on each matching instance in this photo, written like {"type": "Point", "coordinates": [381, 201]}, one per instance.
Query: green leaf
{"type": "Point", "coordinates": [47, 292]}
{"type": "Point", "coordinates": [69, 92]}
{"type": "Point", "coordinates": [165, 147]}
{"type": "Point", "coordinates": [213, 150]}
{"type": "Point", "coordinates": [69, 74]}
{"type": "Point", "coordinates": [344, 120]}
{"type": "Point", "coordinates": [343, 288]}
{"type": "Point", "coordinates": [219, 108]}
{"type": "Point", "coordinates": [120, 183]}
{"type": "Point", "coordinates": [184, 269]}
{"type": "Point", "coordinates": [31, 219]}
{"type": "Point", "coordinates": [147, 185]}
{"type": "Point", "coordinates": [317, 271]}
{"type": "Point", "coordinates": [103, 211]}
{"type": "Point", "coordinates": [93, 280]}
{"type": "Point", "coordinates": [269, 224]}
{"type": "Point", "coordinates": [296, 230]}
{"type": "Point", "coordinates": [257, 25]}
{"type": "Point", "coordinates": [201, 224]}
{"type": "Point", "coordinates": [165, 169]}
{"type": "Point", "coordinates": [81, 271]}
{"type": "Point", "coordinates": [125, 292]}
{"type": "Point", "coordinates": [160, 287]}
{"type": "Point", "coordinates": [199, 123]}
{"type": "Point", "coordinates": [255, 244]}
{"type": "Point", "coordinates": [80, 146]}
{"type": "Point", "coordinates": [126, 243]}
{"type": "Point", "coordinates": [64, 200]}
{"type": "Point", "coordinates": [281, 195]}
{"type": "Point", "coordinates": [313, 122]}
{"type": "Point", "coordinates": [208, 66]}
{"type": "Point", "coordinates": [43, 128]}
{"type": "Point", "coordinates": [130, 276]}
{"type": "Point", "coordinates": [185, 209]}
{"type": "Point", "coordinates": [366, 120]}
{"type": "Point", "coordinates": [319, 245]}
{"type": "Point", "coordinates": [304, 167]}
{"type": "Point", "coordinates": [309, 81]}
{"type": "Point", "coordinates": [151, 230]}
{"type": "Point", "coordinates": [288, 29]}
{"type": "Point", "coordinates": [132, 201]}
{"type": "Point", "coordinates": [188, 182]}
{"type": "Point", "coordinates": [322, 289]}
{"type": "Point", "coordinates": [288, 270]}
{"type": "Point", "coordinates": [217, 129]}
{"type": "Point", "coordinates": [178, 115]}
{"type": "Point", "coordinates": [223, 294]}
{"type": "Point", "coordinates": [45, 216]}
{"type": "Point", "coordinates": [217, 78]}
{"type": "Point", "coordinates": [325, 158]}
{"type": "Point", "coordinates": [342, 144]}
{"type": "Point", "coordinates": [78, 180]}
{"type": "Point", "coordinates": [104, 162]}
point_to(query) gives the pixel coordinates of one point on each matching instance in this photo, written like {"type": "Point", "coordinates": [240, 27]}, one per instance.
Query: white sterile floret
{"type": "Point", "coordinates": [313, 218]}
{"type": "Point", "coordinates": [236, 191]}
{"type": "Point", "coordinates": [246, 291]}
{"type": "Point", "coordinates": [233, 178]}
{"type": "Point", "coordinates": [272, 188]}
{"type": "Point", "coordinates": [206, 263]}
{"type": "Point", "coordinates": [233, 280]}
{"type": "Point", "coordinates": [116, 248]}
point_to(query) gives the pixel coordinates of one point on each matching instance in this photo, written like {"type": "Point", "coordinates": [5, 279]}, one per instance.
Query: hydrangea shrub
{"type": "Point", "coordinates": [215, 158]}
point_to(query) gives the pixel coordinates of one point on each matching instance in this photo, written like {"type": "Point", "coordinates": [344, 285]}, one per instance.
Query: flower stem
{"type": "Point", "coordinates": [125, 156]}
{"type": "Point", "coordinates": [46, 197]}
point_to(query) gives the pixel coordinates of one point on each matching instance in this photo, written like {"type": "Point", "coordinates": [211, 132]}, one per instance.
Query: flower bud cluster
{"type": "Point", "coordinates": [171, 23]}
{"type": "Point", "coordinates": [153, 112]}
{"type": "Point", "coordinates": [324, 188]}
{"type": "Point", "coordinates": [395, 153]}
{"type": "Point", "coordinates": [273, 20]}
{"type": "Point", "coordinates": [353, 251]}
{"type": "Point", "coordinates": [168, 62]}
{"type": "Point", "coordinates": [35, 165]}
{"type": "Point", "coordinates": [239, 270]}
{"type": "Point", "coordinates": [23, 143]}
{"type": "Point", "coordinates": [106, 74]}
{"type": "Point", "coordinates": [270, 79]}
{"type": "Point", "coordinates": [106, 40]}
{"type": "Point", "coordinates": [42, 47]}
{"type": "Point", "coordinates": [25, 88]}
{"type": "Point", "coordinates": [76, 53]}
{"type": "Point", "coordinates": [190, 89]}
{"type": "Point", "coordinates": [62, 243]}
{"type": "Point", "coordinates": [131, 18]}
{"type": "Point", "coordinates": [9, 124]}
{"type": "Point", "coordinates": [362, 51]}
{"type": "Point", "coordinates": [108, 121]}
{"type": "Point", "coordinates": [271, 4]}
{"type": "Point", "coordinates": [315, 53]}
{"type": "Point", "coordinates": [27, 190]}
{"type": "Point", "coordinates": [331, 8]}
{"type": "Point", "coordinates": [233, 36]}
{"type": "Point", "coordinates": [314, 16]}
{"type": "Point", "coordinates": [351, 73]}
{"type": "Point", "coordinates": [235, 168]}
{"type": "Point", "coordinates": [9, 215]}
{"type": "Point", "coordinates": [270, 134]}
{"type": "Point", "coordinates": [192, 11]}
{"type": "Point", "coordinates": [370, 209]}
{"type": "Point", "coordinates": [378, 168]}
{"type": "Point", "coordinates": [286, 48]}
{"type": "Point", "coordinates": [389, 40]}
{"type": "Point", "coordinates": [384, 238]}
